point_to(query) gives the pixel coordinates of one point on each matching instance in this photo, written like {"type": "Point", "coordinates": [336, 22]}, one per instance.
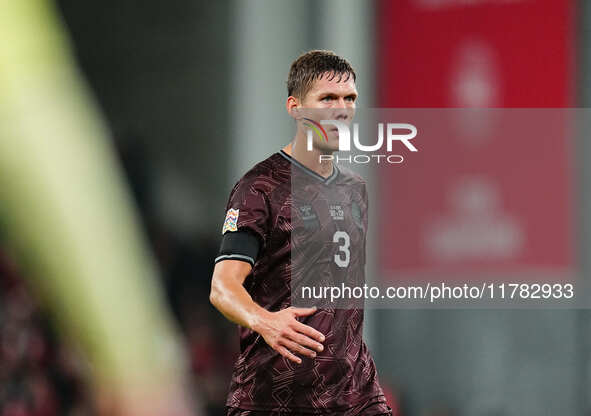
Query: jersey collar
{"type": "Point", "coordinates": [310, 172]}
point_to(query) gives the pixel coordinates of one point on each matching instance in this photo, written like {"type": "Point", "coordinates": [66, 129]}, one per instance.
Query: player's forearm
{"type": "Point", "coordinates": [234, 302]}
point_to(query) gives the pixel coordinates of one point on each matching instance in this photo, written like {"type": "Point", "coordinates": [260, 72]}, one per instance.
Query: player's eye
{"type": "Point", "coordinates": [327, 99]}
{"type": "Point", "coordinates": [350, 98]}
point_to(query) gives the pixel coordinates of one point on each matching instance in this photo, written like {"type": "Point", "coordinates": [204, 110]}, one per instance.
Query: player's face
{"type": "Point", "coordinates": [330, 99]}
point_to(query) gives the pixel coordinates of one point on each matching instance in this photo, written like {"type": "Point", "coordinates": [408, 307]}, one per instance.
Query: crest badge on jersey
{"type": "Point", "coordinates": [231, 221]}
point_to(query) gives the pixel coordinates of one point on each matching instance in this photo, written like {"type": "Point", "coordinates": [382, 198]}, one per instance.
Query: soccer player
{"type": "Point", "coordinates": [299, 360]}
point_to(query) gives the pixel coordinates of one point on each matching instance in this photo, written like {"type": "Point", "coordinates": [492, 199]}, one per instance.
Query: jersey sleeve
{"type": "Point", "coordinates": [245, 225]}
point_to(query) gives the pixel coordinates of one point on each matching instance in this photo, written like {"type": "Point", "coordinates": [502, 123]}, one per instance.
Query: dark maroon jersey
{"type": "Point", "coordinates": [312, 232]}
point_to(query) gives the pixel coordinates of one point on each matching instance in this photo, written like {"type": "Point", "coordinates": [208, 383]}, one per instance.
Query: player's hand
{"type": "Point", "coordinates": [286, 335]}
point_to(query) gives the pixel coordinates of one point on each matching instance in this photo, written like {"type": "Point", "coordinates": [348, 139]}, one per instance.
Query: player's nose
{"type": "Point", "coordinates": [342, 113]}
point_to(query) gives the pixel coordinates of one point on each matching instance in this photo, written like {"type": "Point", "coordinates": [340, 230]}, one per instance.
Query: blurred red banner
{"type": "Point", "coordinates": [489, 190]}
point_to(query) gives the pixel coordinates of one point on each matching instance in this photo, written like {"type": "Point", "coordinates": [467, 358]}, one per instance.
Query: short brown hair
{"type": "Point", "coordinates": [313, 65]}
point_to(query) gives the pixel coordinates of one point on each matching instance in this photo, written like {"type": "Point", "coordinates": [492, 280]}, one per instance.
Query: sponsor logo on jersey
{"type": "Point", "coordinates": [308, 216]}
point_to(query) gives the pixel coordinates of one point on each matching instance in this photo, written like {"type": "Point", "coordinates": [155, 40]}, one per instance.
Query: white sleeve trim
{"type": "Point", "coordinates": [235, 257]}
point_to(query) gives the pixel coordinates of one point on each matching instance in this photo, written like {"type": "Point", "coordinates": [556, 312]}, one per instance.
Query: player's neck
{"type": "Point", "coordinates": [309, 158]}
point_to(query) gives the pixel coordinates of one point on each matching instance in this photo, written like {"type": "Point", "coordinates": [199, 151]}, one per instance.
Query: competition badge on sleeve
{"type": "Point", "coordinates": [231, 221]}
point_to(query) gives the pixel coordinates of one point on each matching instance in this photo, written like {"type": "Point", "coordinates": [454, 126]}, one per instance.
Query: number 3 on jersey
{"type": "Point", "coordinates": [344, 255]}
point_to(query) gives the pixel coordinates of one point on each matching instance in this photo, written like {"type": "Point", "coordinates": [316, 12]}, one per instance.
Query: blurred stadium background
{"type": "Point", "coordinates": [192, 93]}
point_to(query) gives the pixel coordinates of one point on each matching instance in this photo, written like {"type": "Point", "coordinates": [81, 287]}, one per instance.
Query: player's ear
{"type": "Point", "coordinates": [292, 107]}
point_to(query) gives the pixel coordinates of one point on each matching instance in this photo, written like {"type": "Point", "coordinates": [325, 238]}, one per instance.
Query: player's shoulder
{"type": "Point", "coordinates": [348, 176]}
{"type": "Point", "coordinates": [266, 175]}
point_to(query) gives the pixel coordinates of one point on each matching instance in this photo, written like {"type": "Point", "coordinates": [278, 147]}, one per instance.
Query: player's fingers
{"type": "Point", "coordinates": [309, 331]}
{"type": "Point", "coordinates": [298, 348]}
{"type": "Point", "coordinates": [303, 311]}
{"type": "Point", "coordinates": [288, 354]}
{"type": "Point", "coordinates": [305, 341]}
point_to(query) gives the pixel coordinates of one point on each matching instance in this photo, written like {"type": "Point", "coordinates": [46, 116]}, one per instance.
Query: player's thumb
{"type": "Point", "coordinates": [303, 311]}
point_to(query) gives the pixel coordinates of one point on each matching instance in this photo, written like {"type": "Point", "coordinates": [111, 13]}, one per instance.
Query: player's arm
{"type": "Point", "coordinates": [281, 330]}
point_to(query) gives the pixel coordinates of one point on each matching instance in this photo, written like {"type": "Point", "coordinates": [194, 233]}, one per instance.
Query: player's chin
{"type": "Point", "coordinates": [332, 144]}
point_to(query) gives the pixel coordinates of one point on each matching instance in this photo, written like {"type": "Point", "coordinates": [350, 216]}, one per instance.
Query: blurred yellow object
{"type": "Point", "coordinates": [64, 205]}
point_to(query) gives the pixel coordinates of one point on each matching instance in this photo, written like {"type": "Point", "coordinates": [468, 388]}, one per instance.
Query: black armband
{"type": "Point", "coordinates": [239, 245]}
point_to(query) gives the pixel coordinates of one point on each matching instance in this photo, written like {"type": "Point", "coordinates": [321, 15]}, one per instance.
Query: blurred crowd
{"type": "Point", "coordinates": [43, 374]}
{"type": "Point", "coordinates": [41, 371]}
{"type": "Point", "coordinates": [40, 375]}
